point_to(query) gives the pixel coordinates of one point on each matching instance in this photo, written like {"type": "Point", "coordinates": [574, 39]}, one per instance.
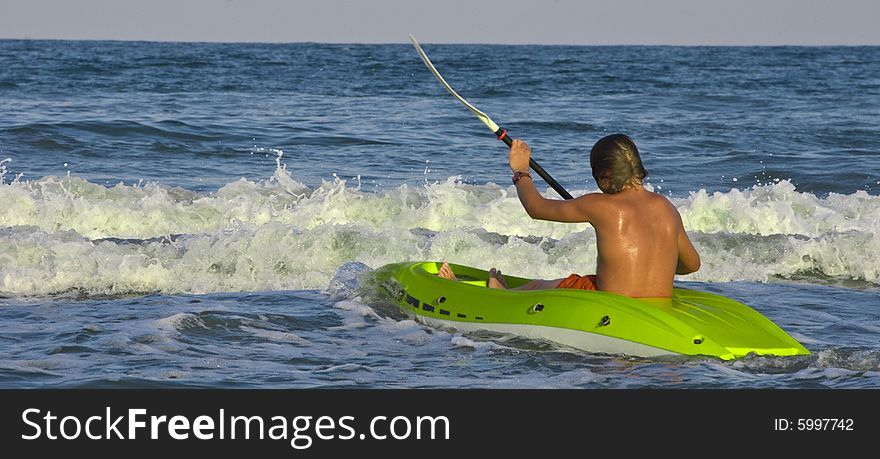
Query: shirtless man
{"type": "Point", "coordinates": [640, 237]}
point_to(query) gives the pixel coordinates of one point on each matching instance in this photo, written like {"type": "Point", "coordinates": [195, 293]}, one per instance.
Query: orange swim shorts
{"type": "Point", "coordinates": [580, 282]}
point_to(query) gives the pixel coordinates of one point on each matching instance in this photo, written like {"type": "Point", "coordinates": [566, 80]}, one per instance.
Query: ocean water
{"type": "Point", "coordinates": [209, 215]}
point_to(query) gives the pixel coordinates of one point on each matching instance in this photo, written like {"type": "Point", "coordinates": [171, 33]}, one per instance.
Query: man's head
{"type": "Point", "coordinates": [616, 164]}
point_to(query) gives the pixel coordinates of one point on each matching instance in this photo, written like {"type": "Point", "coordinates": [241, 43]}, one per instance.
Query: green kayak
{"type": "Point", "coordinates": [689, 323]}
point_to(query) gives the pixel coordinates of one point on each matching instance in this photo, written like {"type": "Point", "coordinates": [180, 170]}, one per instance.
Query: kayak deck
{"type": "Point", "coordinates": [689, 323]}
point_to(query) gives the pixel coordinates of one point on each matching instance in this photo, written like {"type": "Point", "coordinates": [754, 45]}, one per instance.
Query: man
{"type": "Point", "coordinates": [640, 237]}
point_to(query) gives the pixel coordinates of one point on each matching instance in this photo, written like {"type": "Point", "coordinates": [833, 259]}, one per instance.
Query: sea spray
{"type": "Point", "coordinates": [70, 235]}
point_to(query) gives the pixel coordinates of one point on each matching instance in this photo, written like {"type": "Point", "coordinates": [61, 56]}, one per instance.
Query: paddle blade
{"type": "Point", "coordinates": [477, 112]}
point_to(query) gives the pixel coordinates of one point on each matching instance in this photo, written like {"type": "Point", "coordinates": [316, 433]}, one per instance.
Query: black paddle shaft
{"type": "Point", "coordinates": [502, 136]}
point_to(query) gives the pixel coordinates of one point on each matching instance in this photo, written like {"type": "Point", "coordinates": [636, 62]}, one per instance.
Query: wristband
{"type": "Point", "coordinates": [518, 175]}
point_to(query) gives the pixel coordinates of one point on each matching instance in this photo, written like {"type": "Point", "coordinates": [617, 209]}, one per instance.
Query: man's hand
{"type": "Point", "coordinates": [520, 153]}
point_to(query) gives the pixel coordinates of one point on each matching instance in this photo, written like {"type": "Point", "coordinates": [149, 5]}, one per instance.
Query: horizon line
{"type": "Point", "coordinates": [406, 42]}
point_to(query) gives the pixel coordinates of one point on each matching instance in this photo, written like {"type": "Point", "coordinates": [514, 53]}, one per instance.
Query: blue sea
{"type": "Point", "coordinates": [209, 215]}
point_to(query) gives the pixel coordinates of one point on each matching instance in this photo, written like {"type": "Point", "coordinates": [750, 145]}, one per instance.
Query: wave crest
{"type": "Point", "coordinates": [63, 234]}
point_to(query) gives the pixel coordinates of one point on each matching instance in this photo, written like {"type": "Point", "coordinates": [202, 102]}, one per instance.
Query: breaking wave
{"type": "Point", "coordinates": [65, 234]}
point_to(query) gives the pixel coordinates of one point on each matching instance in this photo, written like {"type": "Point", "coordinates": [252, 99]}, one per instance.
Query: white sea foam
{"type": "Point", "coordinates": [67, 234]}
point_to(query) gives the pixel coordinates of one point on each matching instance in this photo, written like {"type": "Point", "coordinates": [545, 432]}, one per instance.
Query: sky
{"type": "Point", "coordinates": [580, 22]}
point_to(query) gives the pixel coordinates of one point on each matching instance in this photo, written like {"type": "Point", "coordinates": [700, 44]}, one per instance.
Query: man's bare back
{"type": "Point", "coordinates": [641, 243]}
{"type": "Point", "coordinates": [640, 238]}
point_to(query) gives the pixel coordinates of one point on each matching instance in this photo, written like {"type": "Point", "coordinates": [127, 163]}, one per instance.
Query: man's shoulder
{"type": "Point", "coordinates": [658, 198]}
{"type": "Point", "coordinates": [640, 198]}
{"type": "Point", "coordinates": [602, 202]}
{"type": "Point", "coordinates": [653, 204]}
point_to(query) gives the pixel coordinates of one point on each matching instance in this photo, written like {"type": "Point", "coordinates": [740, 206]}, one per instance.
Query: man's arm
{"type": "Point", "coordinates": [538, 207]}
{"type": "Point", "coordinates": [577, 210]}
{"type": "Point", "coordinates": [688, 258]}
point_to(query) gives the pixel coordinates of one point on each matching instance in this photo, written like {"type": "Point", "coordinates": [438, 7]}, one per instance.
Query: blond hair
{"type": "Point", "coordinates": [616, 163]}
